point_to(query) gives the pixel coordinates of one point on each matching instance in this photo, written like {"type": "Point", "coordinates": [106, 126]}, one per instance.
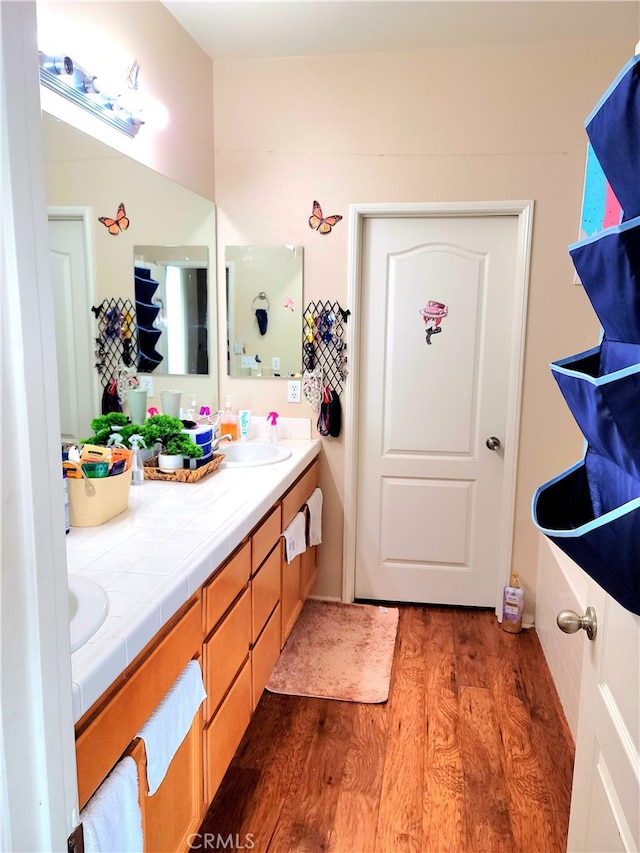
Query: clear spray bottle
{"type": "Point", "coordinates": [137, 467]}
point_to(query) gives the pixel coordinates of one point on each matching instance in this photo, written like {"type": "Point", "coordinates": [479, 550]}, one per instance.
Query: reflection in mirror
{"type": "Point", "coordinates": [264, 310]}
{"type": "Point", "coordinates": [87, 180]}
{"type": "Point", "coordinates": [171, 298]}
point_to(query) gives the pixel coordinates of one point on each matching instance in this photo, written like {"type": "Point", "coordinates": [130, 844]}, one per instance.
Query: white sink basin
{"type": "Point", "coordinates": [88, 608]}
{"type": "Point", "coordinates": [242, 454]}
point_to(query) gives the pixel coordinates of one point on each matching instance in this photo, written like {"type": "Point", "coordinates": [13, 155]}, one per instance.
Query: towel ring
{"type": "Point", "coordinates": [261, 297]}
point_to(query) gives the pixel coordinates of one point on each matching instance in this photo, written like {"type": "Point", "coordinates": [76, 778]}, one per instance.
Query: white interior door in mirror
{"type": "Point", "coordinates": [74, 321]}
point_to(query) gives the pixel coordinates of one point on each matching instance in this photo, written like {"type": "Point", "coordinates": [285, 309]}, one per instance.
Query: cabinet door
{"type": "Point", "coordinates": [291, 600]}
{"type": "Point", "coordinates": [264, 656]}
{"type": "Point", "coordinates": [225, 731]}
{"type": "Point", "coordinates": [175, 811]}
{"type": "Point", "coordinates": [308, 571]}
{"type": "Point", "coordinates": [265, 592]}
{"type": "Point", "coordinates": [226, 650]}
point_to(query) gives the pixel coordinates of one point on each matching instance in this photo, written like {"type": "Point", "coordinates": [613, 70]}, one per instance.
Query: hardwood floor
{"type": "Point", "coordinates": [470, 753]}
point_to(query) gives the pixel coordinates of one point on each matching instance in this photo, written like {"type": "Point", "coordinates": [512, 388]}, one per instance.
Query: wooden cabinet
{"type": "Point", "coordinates": [235, 626]}
{"type": "Point", "coordinates": [297, 577]}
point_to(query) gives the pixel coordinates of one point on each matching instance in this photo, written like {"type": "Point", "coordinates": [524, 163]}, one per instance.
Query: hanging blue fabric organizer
{"type": "Point", "coordinates": [592, 510]}
{"type": "Point", "coordinates": [614, 132]}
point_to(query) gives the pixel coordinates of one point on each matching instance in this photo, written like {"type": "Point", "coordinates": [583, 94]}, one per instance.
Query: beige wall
{"type": "Point", "coordinates": [483, 124]}
{"type": "Point", "coordinates": [174, 70]}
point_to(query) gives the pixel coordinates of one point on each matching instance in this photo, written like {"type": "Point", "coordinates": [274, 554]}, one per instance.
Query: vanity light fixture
{"type": "Point", "coordinates": [63, 76]}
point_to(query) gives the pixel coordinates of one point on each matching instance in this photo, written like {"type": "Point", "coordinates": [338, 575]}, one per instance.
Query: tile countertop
{"type": "Point", "coordinates": [153, 557]}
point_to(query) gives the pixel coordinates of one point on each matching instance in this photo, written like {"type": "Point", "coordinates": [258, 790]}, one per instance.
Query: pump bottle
{"type": "Point", "coordinates": [512, 605]}
{"type": "Point", "coordinates": [229, 421]}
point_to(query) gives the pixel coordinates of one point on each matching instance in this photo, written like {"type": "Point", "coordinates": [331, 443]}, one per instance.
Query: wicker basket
{"type": "Point", "coordinates": [182, 475]}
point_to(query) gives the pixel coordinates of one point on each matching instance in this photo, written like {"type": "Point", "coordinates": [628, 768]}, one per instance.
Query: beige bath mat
{"type": "Point", "coordinates": [338, 651]}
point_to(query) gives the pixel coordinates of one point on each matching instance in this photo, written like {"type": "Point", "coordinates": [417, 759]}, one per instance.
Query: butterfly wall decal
{"type": "Point", "coordinates": [120, 223]}
{"type": "Point", "coordinates": [322, 224]}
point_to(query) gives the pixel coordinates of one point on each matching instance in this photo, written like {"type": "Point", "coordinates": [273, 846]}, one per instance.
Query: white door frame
{"type": "Point", "coordinates": [358, 213]}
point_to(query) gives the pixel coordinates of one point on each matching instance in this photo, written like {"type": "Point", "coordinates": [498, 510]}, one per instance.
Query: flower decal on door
{"type": "Point", "coordinates": [433, 314]}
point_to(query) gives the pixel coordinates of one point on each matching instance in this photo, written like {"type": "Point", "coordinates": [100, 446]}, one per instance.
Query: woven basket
{"type": "Point", "coordinates": [182, 475]}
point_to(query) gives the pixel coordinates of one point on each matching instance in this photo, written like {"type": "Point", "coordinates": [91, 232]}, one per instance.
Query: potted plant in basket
{"type": "Point", "coordinates": [176, 450]}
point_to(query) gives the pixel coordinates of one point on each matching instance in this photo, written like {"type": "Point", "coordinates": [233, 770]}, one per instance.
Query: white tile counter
{"type": "Point", "coordinates": [153, 557]}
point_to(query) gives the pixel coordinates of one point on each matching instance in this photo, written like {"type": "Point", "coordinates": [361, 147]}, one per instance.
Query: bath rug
{"type": "Point", "coordinates": [338, 651]}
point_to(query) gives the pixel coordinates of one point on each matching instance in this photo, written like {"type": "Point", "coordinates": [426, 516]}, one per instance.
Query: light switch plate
{"type": "Point", "coordinates": [293, 391]}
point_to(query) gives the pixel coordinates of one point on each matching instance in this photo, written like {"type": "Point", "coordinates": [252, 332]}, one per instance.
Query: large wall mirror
{"type": "Point", "coordinates": [264, 311]}
{"type": "Point", "coordinates": [86, 180]}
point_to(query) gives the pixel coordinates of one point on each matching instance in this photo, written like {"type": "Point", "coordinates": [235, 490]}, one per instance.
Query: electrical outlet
{"type": "Point", "coordinates": [146, 384]}
{"type": "Point", "coordinates": [293, 391]}
{"type": "Point", "coordinates": [275, 363]}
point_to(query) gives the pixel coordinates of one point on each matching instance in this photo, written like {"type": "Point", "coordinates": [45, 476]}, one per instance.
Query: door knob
{"type": "Point", "coordinates": [493, 443]}
{"type": "Point", "coordinates": [570, 622]}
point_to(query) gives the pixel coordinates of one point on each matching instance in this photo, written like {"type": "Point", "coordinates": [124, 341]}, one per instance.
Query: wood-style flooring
{"type": "Point", "coordinates": [470, 753]}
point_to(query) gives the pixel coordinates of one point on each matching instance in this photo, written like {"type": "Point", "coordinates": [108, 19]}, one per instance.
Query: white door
{"type": "Point", "coordinates": [74, 323]}
{"type": "Point", "coordinates": [605, 802]}
{"type": "Point", "coordinates": [441, 317]}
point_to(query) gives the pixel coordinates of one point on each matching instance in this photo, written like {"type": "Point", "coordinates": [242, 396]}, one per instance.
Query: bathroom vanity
{"type": "Point", "coordinates": [237, 601]}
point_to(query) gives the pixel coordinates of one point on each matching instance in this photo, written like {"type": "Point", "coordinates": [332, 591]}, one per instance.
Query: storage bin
{"type": "Point", "coordinates": [608, 265]}
{"type": "Point", "coordinates": [93, 502]}
{"type": "Point", "coordinates": [613, 128]}
{"type": "Point", "coordinates": [604, 406]}
{"type": "Point", "coordinates": [606, 546]}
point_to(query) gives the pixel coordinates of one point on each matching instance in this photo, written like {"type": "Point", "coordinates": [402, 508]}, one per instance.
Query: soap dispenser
{"type": "Point", "coordinates": [229, 421]}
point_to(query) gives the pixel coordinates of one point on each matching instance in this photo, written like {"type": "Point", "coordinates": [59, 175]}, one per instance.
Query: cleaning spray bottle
{"type": "Point", "coordinates": [512, 605]}
{"type": "Point", "coordinates": [229, 421]}
{"type": "Point", "coordinates": [137, 467]}
{"type": "Point", "coordinates": [272, 419]}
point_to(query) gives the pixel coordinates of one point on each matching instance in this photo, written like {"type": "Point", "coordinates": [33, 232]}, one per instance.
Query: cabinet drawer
{"type": "Point", "coordinates": [225, 731]}
{"type": "Point", "coordinates": [225, 651]}
{"type": "Point", "coordinates": [264, 538]}
{"type": "Point", "coordinates": [299, 492]}
{"type": "Point", "coordinates": [265, 655]}
{"type": "Point", "coordinates": [265, 592]}
{"type": "Point", "coordinates": [221, 591]}
{"type": "Point", "coordinates": [100, 744]}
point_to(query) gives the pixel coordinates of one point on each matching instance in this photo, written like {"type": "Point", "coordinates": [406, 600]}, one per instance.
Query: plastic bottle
{"type": "Point", "coordinates": [137, 467]}
{"type": "Point", "coordinates": [66, 501]}
{"type": "Point", "coordinates": [229, 421]}
{"type": "Point", "coordinates": [272, 419]}
{"type": "Point", "coordinates": [512, 605]}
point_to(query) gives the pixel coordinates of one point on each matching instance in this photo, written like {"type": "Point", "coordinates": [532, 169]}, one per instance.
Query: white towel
{"type": "Point", "coordinates": [314, 503]}
{"type": "Point", "coordinates": [112, 820]}
{"type": "Point", "coordinates": [169, 724]}
{"type": "Point", "coordinates": [295, 538]}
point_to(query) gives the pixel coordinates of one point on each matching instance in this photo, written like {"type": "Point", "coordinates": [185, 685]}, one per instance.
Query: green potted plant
{"type": "Point", "coordinates": [176, 450]}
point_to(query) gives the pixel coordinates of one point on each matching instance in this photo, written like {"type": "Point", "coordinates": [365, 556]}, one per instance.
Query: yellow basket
{"type": "Point", "coordinates": [95, 501]}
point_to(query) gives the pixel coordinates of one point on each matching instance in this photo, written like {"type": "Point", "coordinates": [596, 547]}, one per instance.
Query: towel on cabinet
{"type": "Point", "coordinates": [112, 820]}
{"type": "Point", "coordinates": [169, 724]}
{"type": "Point", "coordinates": [314, 503]}
{"type": "Point", "coordinates": [295, 537]}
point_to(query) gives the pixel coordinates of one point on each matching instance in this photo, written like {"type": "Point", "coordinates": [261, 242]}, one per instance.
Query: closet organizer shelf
{"type": "Point", "coordinates": [592, 510]}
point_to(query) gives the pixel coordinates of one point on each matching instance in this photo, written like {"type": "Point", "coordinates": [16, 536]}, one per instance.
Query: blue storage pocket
{"type": "Point", "coordinates": [603, 406]}
{"type": "Point", "coordinates": [609, 268]}
{"type": "Point", "coordinates": [606, 546]}
{"type": "Point", "coordinates": [614, 132]}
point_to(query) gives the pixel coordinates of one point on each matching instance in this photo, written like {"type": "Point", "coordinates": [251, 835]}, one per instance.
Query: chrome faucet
{"type": "Point", "coordinates": [216, 441]}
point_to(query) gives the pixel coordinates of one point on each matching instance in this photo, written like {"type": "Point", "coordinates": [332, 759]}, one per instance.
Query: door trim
{"type": "Point", "coordinates": [358, 213]}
